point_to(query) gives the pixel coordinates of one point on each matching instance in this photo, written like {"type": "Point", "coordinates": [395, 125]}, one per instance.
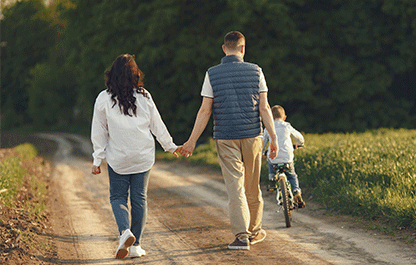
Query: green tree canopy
{"type": "Point", "coordinates": [27, 36]}
{"type": "Point", "coordinates": [333, 65]}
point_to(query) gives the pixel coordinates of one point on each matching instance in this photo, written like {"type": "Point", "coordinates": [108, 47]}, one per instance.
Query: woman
{"type": "Point", "coordinates": [124, 119]}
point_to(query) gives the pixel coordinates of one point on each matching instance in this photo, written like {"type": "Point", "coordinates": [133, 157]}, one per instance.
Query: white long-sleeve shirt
{"type": "Point", "coordinates": [127, 141]}
{"type": "Point", "coordinates": [283, 131]}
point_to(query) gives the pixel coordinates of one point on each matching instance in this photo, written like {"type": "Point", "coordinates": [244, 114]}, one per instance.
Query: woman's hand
{"type": "Point", "coordinates": [95, 170]}
{"type": "Point", "coordinates": [175, 153]}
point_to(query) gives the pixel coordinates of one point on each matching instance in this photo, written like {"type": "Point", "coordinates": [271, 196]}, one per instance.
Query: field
{"type": "Point", "coordinates": [370, 174]}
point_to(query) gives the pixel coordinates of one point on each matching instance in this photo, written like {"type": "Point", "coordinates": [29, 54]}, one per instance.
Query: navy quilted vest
{"type": "Point", "coordinates": [235, 84]}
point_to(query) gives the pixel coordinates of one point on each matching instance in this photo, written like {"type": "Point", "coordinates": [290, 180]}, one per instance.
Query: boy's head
{"type": "Point", "coordinates": [278, 113]}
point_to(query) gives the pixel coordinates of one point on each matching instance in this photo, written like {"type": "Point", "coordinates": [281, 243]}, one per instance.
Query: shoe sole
{"type": "Point", "coordinates": [137, 256]}
{"type": "Point", "coordinates": [239, 247]}
{"type": "Point", "coordinates": [301, 205]}
{"type": "Point", "coordinates": [123, 251]}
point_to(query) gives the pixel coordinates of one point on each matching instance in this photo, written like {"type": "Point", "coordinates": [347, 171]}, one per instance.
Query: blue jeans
{"type": "Point", "coordinates": [291, 175]}
{"type": "Point", "coordinates": [119, 193]}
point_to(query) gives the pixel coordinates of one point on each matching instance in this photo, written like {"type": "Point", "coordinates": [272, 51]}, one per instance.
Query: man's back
{"type": "Point", "coordinates": [236, 91]}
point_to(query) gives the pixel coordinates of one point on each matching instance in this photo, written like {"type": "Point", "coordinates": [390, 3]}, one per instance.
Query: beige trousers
{"type": "Point", "coordinates": [240, 162]}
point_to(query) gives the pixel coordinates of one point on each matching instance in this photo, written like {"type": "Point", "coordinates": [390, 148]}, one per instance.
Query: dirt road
{"type": "Point", "coordinates": [188, 221]}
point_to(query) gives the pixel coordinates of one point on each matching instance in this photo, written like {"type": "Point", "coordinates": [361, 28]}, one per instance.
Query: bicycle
{"type": "Point", "coordinates": [284, 195]}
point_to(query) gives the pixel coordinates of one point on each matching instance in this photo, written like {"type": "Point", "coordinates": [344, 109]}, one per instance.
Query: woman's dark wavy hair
{"type": "Point", "coordinates": [122, 80]}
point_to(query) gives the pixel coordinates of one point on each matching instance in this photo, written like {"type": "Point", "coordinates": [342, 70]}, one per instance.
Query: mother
{"type": "Point", "coordinates": [124, 119]}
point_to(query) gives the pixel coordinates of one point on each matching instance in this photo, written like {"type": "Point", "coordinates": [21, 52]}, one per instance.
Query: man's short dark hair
{"type": "Point", "coordinates": [234, 39]}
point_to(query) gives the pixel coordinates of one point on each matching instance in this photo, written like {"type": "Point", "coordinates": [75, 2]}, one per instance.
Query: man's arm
{"type": "Point", "coordinates": [265, 141]}
{"type": "Point", "coordinates": [201, 122]}
{"type": "Point", "coordinates": [267, 118]}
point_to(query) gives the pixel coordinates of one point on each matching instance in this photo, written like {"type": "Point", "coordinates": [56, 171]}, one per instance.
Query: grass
{"type": "Point", "coordinates": [19, 171]}
{"type": "Point", "coordinates": [11, 177]}
{"type": "Point", "coordinates": [24, 223]}
{"type": "Point", "coordinates": [370, 174]}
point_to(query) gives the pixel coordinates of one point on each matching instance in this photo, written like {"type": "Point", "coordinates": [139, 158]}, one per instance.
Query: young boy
{"type": "Point", "coordinates": [285, 154]}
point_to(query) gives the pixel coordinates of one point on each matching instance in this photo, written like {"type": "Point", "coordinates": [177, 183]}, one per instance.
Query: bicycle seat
{"type": "Point", "coordinates": [280, 166]}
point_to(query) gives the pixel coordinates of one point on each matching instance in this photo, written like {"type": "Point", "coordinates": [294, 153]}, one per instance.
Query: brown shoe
{"type": "Point", "coordinates": [298, 199]}
{"type": "Point", "coordinates": [272, 185]}
{"type": "Point", "coordinates": [257, 238]}
{"type": "Point", "coordinates": [238, 244]}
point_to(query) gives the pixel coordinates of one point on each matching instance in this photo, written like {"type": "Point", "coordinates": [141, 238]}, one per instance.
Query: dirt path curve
{"type": "Point", "coordinates": [188, 221]}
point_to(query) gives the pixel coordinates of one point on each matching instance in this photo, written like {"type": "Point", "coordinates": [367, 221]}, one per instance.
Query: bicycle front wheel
{"type": "Point", "coordinates": [286, 206]}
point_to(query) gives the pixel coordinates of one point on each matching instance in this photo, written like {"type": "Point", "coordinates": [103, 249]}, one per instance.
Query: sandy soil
{"type": "Point", "coordinates": [188, 221]}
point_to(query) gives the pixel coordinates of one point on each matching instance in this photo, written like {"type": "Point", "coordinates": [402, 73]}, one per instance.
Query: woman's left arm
{"type": "Point", "coordinates": [158, 129]}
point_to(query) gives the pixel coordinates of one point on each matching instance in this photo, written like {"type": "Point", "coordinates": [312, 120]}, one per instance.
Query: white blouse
{"type": "Point", "coordinates": [127, 141]}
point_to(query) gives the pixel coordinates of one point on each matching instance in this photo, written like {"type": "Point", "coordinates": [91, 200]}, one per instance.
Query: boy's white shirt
{"type": "Point", "coordinates": [283, 131]}
{"type": "Point", "coordinates": [127, 141]}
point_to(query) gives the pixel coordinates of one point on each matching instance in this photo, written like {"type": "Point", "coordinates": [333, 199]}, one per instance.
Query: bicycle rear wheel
{"type": "Point", "coordinates": [286, 207]}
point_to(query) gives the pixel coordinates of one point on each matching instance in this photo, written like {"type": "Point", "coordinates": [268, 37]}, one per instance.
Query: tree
{"type": "Point", "coordinates": [341, 66]}
{"type": "Point", "coordinates": [27, 36]}
{"type": "Point", "coordinates": [334, 65]}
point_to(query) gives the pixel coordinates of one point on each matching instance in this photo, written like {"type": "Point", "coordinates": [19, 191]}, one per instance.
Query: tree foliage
{"type": "Point", "coordinates": [333, 65]}
{"type": "Point", "coordinates": [27, 36]}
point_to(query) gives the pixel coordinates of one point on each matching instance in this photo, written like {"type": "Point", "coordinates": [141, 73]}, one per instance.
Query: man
{"type": "Point", "coordinates": [236, 93]}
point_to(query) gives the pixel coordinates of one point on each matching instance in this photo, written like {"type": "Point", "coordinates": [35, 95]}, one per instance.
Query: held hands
{"type": "Point", "coordinates": [186, 149]}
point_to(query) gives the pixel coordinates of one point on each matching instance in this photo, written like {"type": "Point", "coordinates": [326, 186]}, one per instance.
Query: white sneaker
{"type": "Point", "coordinates": [136, 252]}
{"type": "Point", "coordinates": [126, 240]}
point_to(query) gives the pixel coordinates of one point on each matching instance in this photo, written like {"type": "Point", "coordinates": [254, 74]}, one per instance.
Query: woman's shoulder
{"type": "Point", "coordinates": [103, 95]}
{"type": "Point", "coordinates": [145, 94]}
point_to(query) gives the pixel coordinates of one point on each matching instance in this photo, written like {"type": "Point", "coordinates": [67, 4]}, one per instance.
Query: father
{"type": "Point", "coordinates": [236, 93]}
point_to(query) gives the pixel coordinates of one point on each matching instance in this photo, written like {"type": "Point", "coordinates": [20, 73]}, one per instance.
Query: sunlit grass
{"type": "Point", "coordinates": [371, 174]}
{"type": "Point", "coordinates": [14, 177]}
{"type": "Point", "coordinates": [11, 178]}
